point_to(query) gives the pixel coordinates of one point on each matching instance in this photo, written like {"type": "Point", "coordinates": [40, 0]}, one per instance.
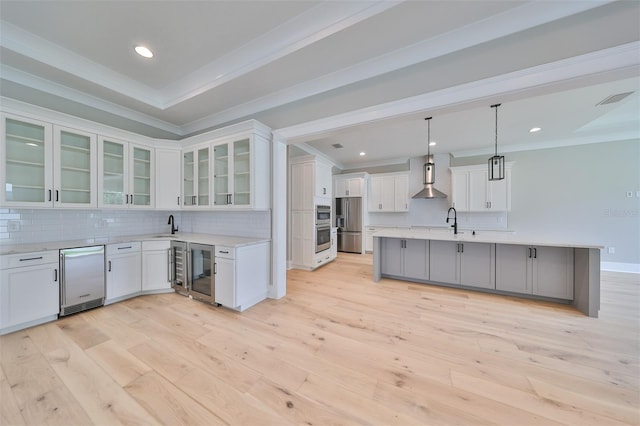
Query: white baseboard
{"type": "Point", "coordinates": [633, 268]}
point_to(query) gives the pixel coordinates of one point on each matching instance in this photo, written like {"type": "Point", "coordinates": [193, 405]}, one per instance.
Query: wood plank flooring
{"type": "Point", "coordinates": [338, 349]}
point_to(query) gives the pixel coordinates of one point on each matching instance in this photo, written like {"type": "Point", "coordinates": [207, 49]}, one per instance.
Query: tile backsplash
{"type": "Point", "coordinates": [24, 226]}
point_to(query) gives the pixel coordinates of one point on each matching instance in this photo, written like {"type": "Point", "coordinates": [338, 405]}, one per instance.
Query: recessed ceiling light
{"type": "Point", "coordinates": [144, 51]}
{"type": "Point", "coordinates": [363, 154]}
{"type": "Point", "coordinates": [432, 143]}
{"type": "Point", "coordinates": [534, 129]}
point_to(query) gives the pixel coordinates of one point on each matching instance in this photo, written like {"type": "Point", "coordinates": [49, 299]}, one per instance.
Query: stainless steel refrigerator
{"type": "Point", "coordinates": [349, 223]}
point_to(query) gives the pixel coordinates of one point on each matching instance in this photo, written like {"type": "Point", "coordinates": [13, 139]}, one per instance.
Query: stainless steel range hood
{"type": "Point", "coordinates": [429, 179]}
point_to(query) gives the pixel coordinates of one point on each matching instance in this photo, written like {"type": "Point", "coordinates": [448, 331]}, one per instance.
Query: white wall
{"type": "Point", "coordinates": [578, 194]}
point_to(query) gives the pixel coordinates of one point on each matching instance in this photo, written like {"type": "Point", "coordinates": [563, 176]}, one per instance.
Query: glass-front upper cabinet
{"type": "Point", "coordinates": [27, 153]}
{"type": "Point", "coordinates": [75, 158]}
{"type": "Point", "coordinates": [196, 177]}
{"type": "Point", "coordinates": [232, 174]}
{"type": "Point", "coordinates": [125, 174]}
{"type": "Point", "coordinates": [47, 166]}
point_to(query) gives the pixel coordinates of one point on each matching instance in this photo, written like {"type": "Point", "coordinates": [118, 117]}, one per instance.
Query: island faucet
{"type": "Point", "coordinates": [174, 228]}
{"type": "Point", "coordinates": [455, 219]}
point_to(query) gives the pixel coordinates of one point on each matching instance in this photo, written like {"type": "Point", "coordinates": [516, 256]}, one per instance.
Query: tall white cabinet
{"type": "Point", "coordinates": [310, 185]}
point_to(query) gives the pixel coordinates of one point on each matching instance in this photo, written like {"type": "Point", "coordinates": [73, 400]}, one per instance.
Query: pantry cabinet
{"type": "Point", "coordinates": [125, 173]}
{"type": "Point", "coordinates": [389, 193]}
{"type": "Point", "coordinates": [124, 271]}
{"type": "Point", "coordinates": [29, 289]}
{"type": "Point", "coordinates": [196, 177]}
{"type": "Point", "coordinates": [538, 270]}
{"type": "Point", "coordinates": [464, 263]}
{"type": "Point", "coordinates": [46, 165]}
{"type": "Point", "coordinates": [472, 190]}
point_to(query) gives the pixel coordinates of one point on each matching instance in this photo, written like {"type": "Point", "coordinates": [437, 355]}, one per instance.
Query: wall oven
{"type": "Point", "coordinates": [323, 237]}
{"type": "Point", "coordinates": [323, 215]}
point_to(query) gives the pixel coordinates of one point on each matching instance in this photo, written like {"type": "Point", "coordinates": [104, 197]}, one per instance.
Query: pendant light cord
{"type": "Point", "coordinates": [496, 107]}
{"type": "Point", "coordinates": [428, 135]}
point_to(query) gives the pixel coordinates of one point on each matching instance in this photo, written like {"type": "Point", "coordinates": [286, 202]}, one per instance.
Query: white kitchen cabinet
{"type": "Point", "coordinates": [303, 239]}
{"type": "Point", "coordinates": [241, 173]}
{"type": "Point", "coordinates": [155, 266]}
{"type": "Point", "coordinates": [389, 193]}
{"type": "Point", "coordinates": [47, 166]}
{"type": "Point", "coordinates": [405, 258]}
{"type": "Point", "coordinates": [302, 183]}
{"type": "Point", "coordinates": [323, 180]}
{"type": "Point", "coordinates": [242, 275]}
{"type": "Point", "coordinates": [29, 289]}
{"type": "Point", "coordinates": [348, 186]}
{"type": "Point", "coordinates": [465, 263]}
{"type": "Point", "coordinates": [125, 174]}
{"type": "Point", "coordinates": [196, 177]}
{"type": "Point", "coordinates": [474, 192]}
{"type": "Point", "coordinates": [167, 179]}
{"type": "Point", "coordinates": [539, 270]}
{"type": "Point", "coordinates": [124, 271]}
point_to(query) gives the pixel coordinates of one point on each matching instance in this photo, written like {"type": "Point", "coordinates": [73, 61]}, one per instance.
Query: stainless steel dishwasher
{"type": "Point", "coordinates": [82, 281]}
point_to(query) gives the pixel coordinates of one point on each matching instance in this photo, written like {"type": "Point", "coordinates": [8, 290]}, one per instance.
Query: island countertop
{"type": "Point", "coordinates": [481, 236]}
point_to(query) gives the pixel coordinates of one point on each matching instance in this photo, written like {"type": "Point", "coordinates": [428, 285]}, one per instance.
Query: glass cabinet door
{"type": "Point", "coordinates": [221, 193]}
{"type": "Point", "coordinates": [113, 174]}
{"type": "Point", "coordinates": [27, 156]}
{"type": "Point", "coordinates": [74, 159]}
{"type": "Point", "coordinates": [203, 177]}
{"type": "Point", "coordinates": [140, 187]}
{"type": "Point", "coordinates": [242, 173]}
{"type": "Point", "coordinates": [188, 170]}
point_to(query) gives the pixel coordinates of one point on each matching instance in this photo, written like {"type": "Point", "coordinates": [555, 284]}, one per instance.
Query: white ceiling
{"type": "Point", "coordinates": [360, 73]}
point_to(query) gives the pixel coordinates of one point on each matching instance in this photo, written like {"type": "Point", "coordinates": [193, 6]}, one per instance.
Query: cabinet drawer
{"type": "Point", "coordinates": [156, 245]}
{"type": "Point", "coordinates": [225, 252]}
{"type": "Point", "coordinates": [123, 248]}
{"type": "Point", "coordinates": [28, 259]}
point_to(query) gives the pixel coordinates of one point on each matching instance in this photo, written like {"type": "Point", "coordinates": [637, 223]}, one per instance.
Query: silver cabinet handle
{"type": "Point", "coordinates": [27, 259]}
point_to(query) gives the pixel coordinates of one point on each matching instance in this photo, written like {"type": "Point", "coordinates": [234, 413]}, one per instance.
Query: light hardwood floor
{"type": "Point", "coordinates": [338, 349]}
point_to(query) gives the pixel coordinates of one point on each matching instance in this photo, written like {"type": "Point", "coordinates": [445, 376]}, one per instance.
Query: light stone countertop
{"type": "Point", "coordinates": [481, 236]}
{"type": "Point", "coordinates": [214, 240]}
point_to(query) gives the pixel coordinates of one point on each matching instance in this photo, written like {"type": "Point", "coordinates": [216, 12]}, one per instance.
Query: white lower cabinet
{"type": "Point", "coordinates": [242, 275]}
{"type": "Point", "coordinates": [538, 270]}
{"type": "Point", "coordinates": [407, 258]}
{"type": "Point", "coordinates": [124, 271]}
{"type": "Point", "coordinates": [29, 289]}
{"type": "Point", "coordinates": [334, 243]}
{"type": "Point", "coordinates": [155, 266]}
{"type": "Point", "coordinates": [464, 263]}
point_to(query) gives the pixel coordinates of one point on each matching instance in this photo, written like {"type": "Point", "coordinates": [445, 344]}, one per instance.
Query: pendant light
{"type": "Point", "coordinates": [496, 163]}
{"type": "Point", "coordinates": [429, 171]}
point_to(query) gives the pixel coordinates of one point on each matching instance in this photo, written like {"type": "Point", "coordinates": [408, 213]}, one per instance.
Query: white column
{"type": "Point", "coordinates": [278, 219]}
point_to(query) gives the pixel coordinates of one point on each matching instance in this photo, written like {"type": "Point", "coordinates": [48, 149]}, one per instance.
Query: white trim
{"type": "Point", "coordinates": [311, 150]}
{"type": "Point", "coordinates": [633, 268]}
{"type": "Point", "coordinates": [38, 83]}
{"type": "Point", "coordinates": [624, 57]}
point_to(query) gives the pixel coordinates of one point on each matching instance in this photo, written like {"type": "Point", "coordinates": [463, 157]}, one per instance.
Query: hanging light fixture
{"type": "Point", "coordinates": [496, 163]}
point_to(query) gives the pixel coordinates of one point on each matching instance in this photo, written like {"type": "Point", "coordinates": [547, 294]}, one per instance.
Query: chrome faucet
{"type": "Point", "coordinates": [174, 228]}
{"type": "Point", "coordinates": [455, 219]}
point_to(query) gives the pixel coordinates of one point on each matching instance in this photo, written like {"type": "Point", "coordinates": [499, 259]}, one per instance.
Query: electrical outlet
{"type": "Point", "coordinates": [611, 250]}
{"type": "Point", "coordinates": [13, 225]}
{"type": "Point", "coordinates": [629, 194]}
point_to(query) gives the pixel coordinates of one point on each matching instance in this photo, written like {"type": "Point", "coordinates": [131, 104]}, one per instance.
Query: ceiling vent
{"type": "Point", "coordinates": [613, 98]}
{"type": "Point", "coordinates": [337, 146]}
